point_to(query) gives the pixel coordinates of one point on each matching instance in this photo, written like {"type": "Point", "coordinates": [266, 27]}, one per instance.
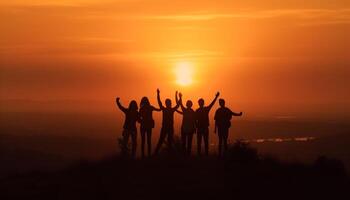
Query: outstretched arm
{"type": "Point", "coordinates": [156, 109]}
{"type": "Point", "coordinates": [159, 101]}
{"type": "Point", "coordinates": [237, 114]}
{"type": "Point", "coordinates": [213, 102]}
{"type": "Point", "coordinates": [122, 108]}
{"type": "Point", "coordinates": [180, 112]}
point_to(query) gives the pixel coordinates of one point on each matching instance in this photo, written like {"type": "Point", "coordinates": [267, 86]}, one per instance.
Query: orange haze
{"type": "Point", "coordinates": [267, 58]}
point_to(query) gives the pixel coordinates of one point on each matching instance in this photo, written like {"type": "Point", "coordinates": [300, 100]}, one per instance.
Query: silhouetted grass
{"type": "Point", "coordinates": [124, 148]}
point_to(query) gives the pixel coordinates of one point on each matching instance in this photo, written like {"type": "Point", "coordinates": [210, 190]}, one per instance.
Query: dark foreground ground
{"type": "Point", "coordinates": [242, 174]}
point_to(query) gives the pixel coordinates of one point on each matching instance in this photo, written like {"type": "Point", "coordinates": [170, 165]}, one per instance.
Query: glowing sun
{"type": "Point", "coordinates": [184, 73]}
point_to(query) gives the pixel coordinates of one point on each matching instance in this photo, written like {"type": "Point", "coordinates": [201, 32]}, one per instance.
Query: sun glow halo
{"type": "Point", "coordinates": [184, 73]}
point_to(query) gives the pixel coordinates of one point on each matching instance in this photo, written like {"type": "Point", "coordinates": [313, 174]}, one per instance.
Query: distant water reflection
{"type": "Point", "coordinates": [273, 140]}
{"type": "Point", "coordinates": [296, 139]}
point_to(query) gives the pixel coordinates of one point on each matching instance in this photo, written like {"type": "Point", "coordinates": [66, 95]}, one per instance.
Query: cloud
{"type": "Point", "coordinates": [49, 2]}
{"type": "Point", "coordinates": [328, 15]}
{"type": "Point", "coordinates": [132, 10]}
{"type": "Point", "coordinates": [302, 16]}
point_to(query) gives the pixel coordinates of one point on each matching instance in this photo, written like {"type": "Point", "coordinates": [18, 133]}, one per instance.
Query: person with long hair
{"type": "Point", "coordinates": [129, 127]}
{"type": "Point", "coordinates": [147, 124]}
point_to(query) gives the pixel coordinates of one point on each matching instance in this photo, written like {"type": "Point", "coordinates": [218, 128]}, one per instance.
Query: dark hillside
{"type": "Point", "coordinates": [241, 174]}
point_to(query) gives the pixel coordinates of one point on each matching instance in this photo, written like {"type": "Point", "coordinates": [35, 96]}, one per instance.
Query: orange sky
{"type": "Point", "coordinates": [279, 57]}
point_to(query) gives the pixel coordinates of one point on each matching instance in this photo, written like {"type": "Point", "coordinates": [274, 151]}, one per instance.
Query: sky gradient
{"type": "Point", "coordinates": [274, 57]}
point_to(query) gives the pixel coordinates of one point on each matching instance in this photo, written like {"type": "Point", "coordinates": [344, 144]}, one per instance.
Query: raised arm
{"type": "Point", "coordinates": [159, 101]}
{"type": "Point", "coordinates": [214, 100]}
{"type": "Point", "coordinates": [177, 101]}
{"type": "Point", "coordinates": [180, 102]}
{"type": "Point", "coordinates": [176, 98]}
{"type": "Point", "coordinates": [122, 108]}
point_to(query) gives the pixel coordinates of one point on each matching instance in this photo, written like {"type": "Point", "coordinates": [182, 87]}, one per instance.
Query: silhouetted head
{"type": "Point", "coordinates": [133, 105]}
{"type": "Point", "coordinates": [222, 102]}
{"type": "Point", "coordinates": [201, 102]}
{"type": "Point", "coordinates": [189, 104]}
{"type": "Point", "coordinates": [144, 102]}
{"type": "Point", "coordinates": [168, 103]}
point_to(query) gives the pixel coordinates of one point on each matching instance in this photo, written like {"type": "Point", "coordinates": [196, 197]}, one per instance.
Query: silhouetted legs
{"type": "Point", "coordinates": [203, 133]}
{"type": "Point", "coordinates": [133, 134]}
{"type": "Point", "coordinates": [170, 138]}
{"type": "Point", "coordinates": [186, 139]}
{"type": "Point", "coordinates": [149, 142]}
{"type": "Point", "coordinates": [160, 142]}
{"type": "Point", "coordinates": [146, 133]}
{"type": "Point", "coordinates": [163, 134]}
{"type": "Point", "coordinates": [223, 136]}
{"type": "Point", "coordinates": [183, 141]}
{"type": "Point", "coordinates": [189, 143]}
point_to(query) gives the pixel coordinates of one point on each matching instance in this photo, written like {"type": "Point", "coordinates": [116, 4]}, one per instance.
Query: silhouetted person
{"type": "Point", "coordinates": [147, 124]}
{"type": "Point", "coordinates": [223, 117]}
{"type": "Point", "coordinates": [188, 127]}
{"type": "Point", "coordinates": [131, 117]}
{"type": "Point", "coordinates": [202, 123]}
{"type": "Point", "coordinates": [167, 122]}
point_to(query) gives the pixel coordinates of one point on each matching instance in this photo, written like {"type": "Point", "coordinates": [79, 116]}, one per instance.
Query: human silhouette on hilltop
{"type": "Point", "coordinates": [147, 124]}
{"type": "Point", "coordinates": [223, 116]}
{"type": "Point", "coordinates": [192, 122]}
{"type": "Point", "coordinates": [202, 123]}
{"type": "Point", "coordinates": [167, 122]}
{"type": "Point", "coordinates": [188, 127]}
{"type": "Point", "coordinates": [131, 117]}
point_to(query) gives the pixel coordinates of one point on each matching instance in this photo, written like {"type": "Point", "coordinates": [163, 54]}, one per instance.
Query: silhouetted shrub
{"type": "Point", "coordinates": [329, 166]}
{"type": "Point", "coordinates": [174, 150]}
{"type": "Point", "coordinates": [241, 152]}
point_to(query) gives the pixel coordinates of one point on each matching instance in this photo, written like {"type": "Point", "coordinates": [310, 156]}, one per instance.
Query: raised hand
{"type": "Point", "coordinates": [158, 99]}
{"type": "Point", "coordinates": [122, 108]}
{"type": "Point", "coordinates": [180, 95]}
{"type": "Point", "coordinates": [214, 100]}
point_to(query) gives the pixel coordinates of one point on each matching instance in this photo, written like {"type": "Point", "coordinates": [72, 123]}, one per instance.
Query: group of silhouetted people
{"type": "Point", "coordinates": [192, 122]}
